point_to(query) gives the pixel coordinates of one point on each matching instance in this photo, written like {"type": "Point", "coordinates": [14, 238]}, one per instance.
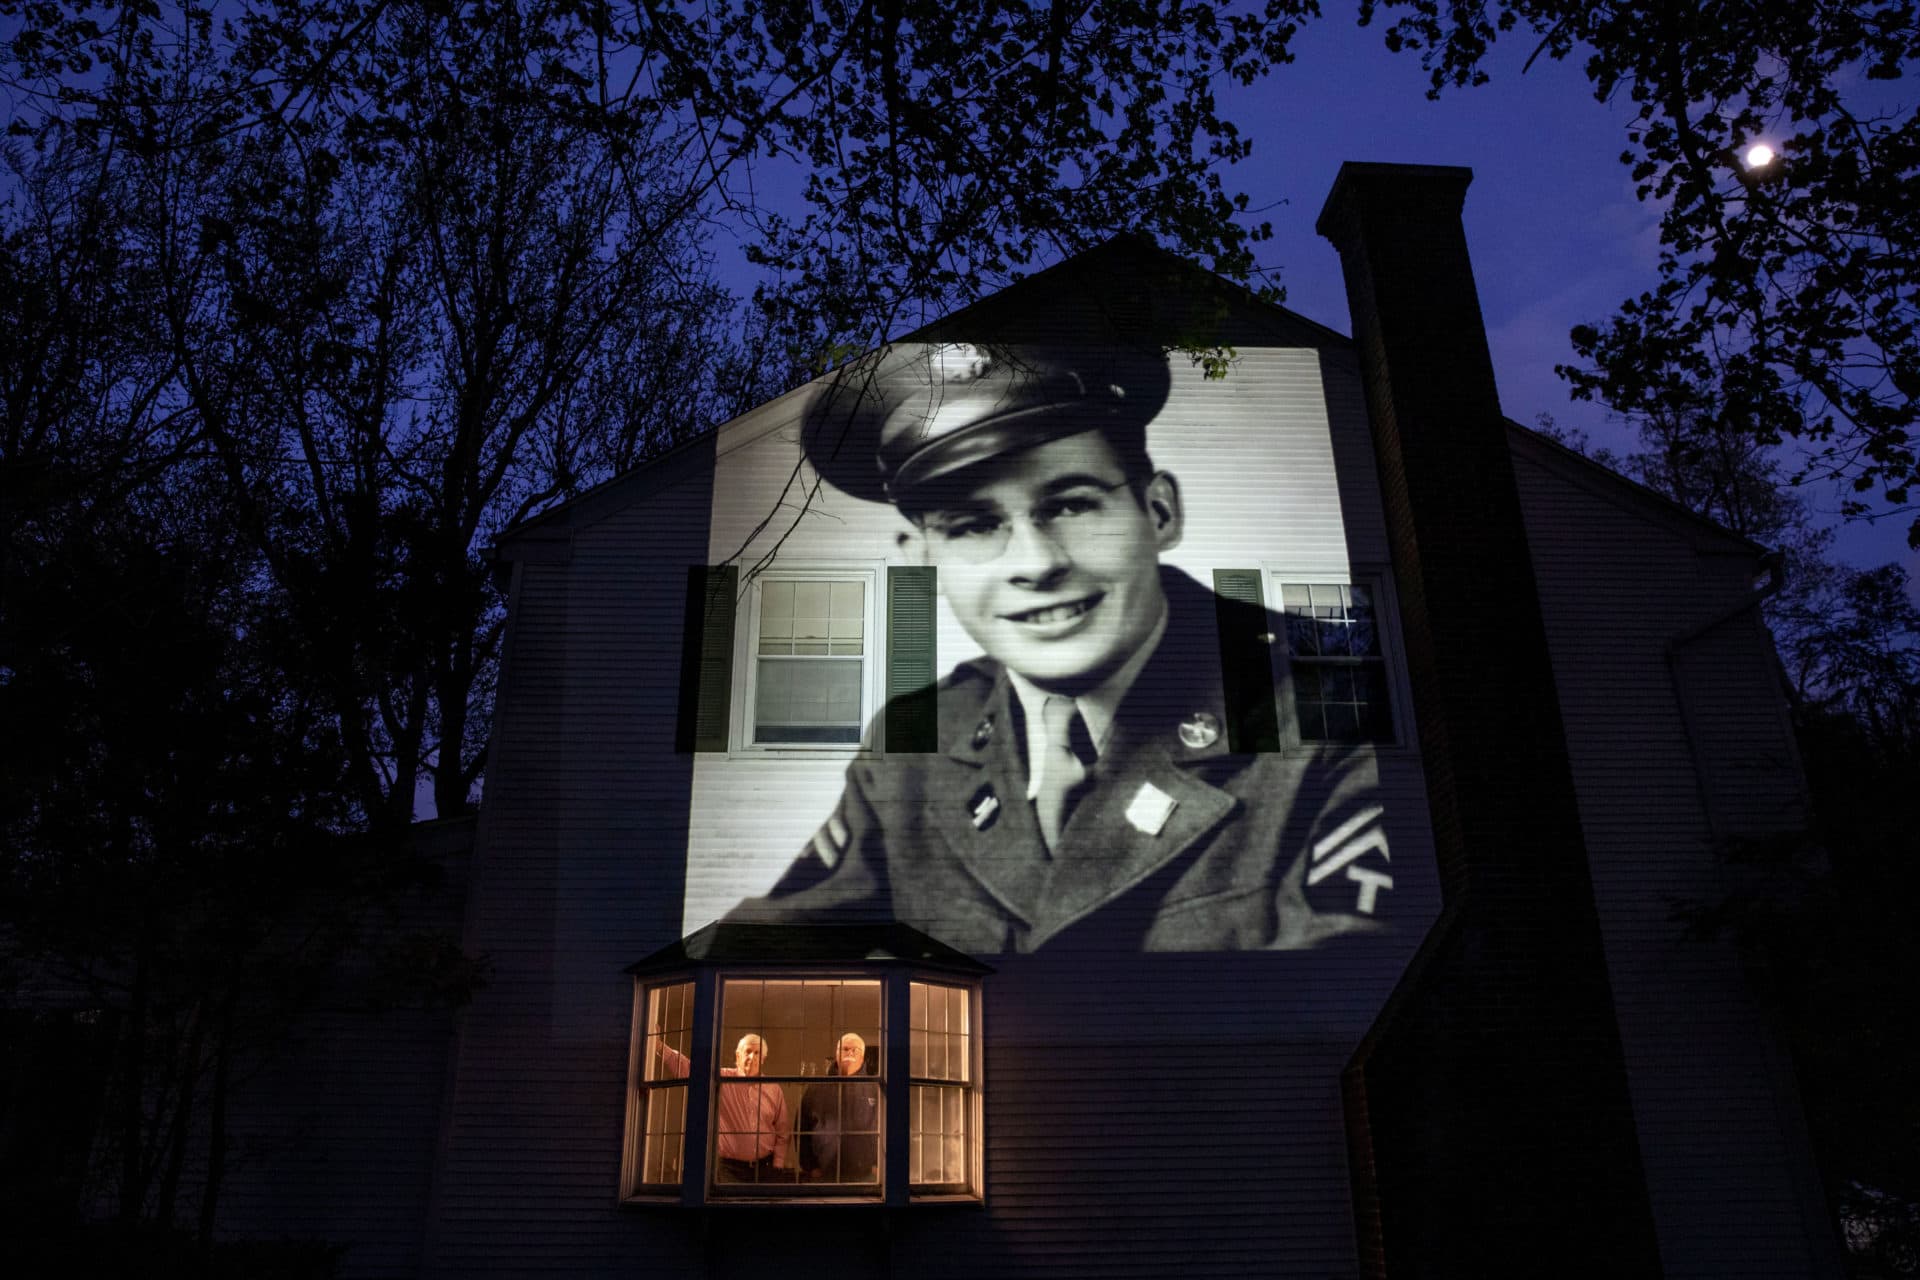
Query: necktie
{"type": "Point", "coordinates": [1063, 766]}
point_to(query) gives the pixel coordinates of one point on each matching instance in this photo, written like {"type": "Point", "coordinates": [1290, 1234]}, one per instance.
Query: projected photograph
{"type": "Point", "coordinates": [1063, 647]}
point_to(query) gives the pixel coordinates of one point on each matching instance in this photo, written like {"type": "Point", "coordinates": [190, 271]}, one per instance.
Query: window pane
{"type": "Point", "coordinates": [1363, 638]}
{"type": "Point", "coordinates": [652, 1169]}
{"type": "Point", "coordinates": [954, 1127]}
{"type": "Point", "coordinates": [665, 1129]}
{"type": "Point", "coordinates": [809, 610]}
{"type": "Point", "coordinates": [938, 1123]}
{"type": "Point", "coordinates": [849, 600]}
{"type": "Point", "coordinates": [668, 1030]}
{"type": "Point", "coordinates": [801, 701]}
{"type": "Point", "coordinates": [1343, 722]}
{"type": "Point", "coordinates": [1332, 636]}
{"type": "Point", "coordinates": [838, 1131]}
{"type": "Point", "coordinates": [776, 604]}
{"type": "Point", "coordinates": [938, 1048]}
{"type": "Point", "coordinates": [1302, 638]}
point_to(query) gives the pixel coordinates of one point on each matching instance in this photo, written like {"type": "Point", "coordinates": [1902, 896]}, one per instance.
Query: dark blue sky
{"type": "Point", "coordinates": [1556, 234]}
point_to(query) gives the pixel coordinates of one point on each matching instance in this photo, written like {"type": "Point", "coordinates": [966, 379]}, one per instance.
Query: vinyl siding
{"type": "Point", "coordinates": [1715, 1112]}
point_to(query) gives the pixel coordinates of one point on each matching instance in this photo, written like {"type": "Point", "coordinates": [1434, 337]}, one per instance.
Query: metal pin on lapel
{"type": "Point", "coordinates": [985, 807]}
{"type": "Point", "coordinates": [983, 733]}
{"type": "Point", "coordinates": [1201, 729]}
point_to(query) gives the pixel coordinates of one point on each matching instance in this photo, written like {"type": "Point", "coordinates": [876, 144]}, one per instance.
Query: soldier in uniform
{"type": "Point", "coordinates": [1083, 789]}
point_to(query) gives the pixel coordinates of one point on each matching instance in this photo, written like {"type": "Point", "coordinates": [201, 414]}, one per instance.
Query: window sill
{"type": "Point", "coordinates": [800, 1205]}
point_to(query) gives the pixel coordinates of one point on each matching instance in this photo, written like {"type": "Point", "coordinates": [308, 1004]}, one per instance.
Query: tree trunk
{"type": "Point", "coordinates": [133, 1086]}
{"type": "Point", "coordinates": [182, 1121]}
{"type": "Point", "coordinates": [217, 1115]}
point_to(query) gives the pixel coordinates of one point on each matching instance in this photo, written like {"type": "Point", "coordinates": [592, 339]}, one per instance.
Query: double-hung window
{"type": "Point", "coordinates": [1342, 689]}
{"type": "Point", "coordinates": [941, 1097]}
{"type": "Point", "coordinates": [812, 642]}
{"type": "Point", "coordinates": [819, 651]}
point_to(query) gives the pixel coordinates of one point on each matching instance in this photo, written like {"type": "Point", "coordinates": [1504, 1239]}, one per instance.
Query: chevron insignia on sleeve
{"type": "Point", "coordinates": [830, 841]}
{"type": "Point", "coordinates": [1344, 846]}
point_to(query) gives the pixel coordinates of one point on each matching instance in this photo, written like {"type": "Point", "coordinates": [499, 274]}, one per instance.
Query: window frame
{"type": "Point", "coordinates": [795, 1192]}
{"type": "Point", "coordinates": [746, 673]}
{"type": "Point", "coordinates": [1378, 580]}
{"type": "Point", "coordinates": [971, 1092]}
{"type": "Point", "coordinates": [699, 1159]}
{"type": "Point", "coordinates": [641, 1090]}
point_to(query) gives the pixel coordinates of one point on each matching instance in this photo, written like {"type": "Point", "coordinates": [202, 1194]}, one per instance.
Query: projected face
{"type": "Point", "coordinates": [851, 1055]}
{"type": "Point", "coordinates": [750, 1055]}
{"type": "Point", "coordinates": [1049, 560]}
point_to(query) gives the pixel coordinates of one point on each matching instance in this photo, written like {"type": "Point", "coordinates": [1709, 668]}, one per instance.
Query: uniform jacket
{"type": "Point", "coordinates": [1177, 843]}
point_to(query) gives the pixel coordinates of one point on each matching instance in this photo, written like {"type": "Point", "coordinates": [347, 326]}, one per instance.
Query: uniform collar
{"type": "Point", "coordinates": [1169, 691]}
{"type": "Point", "coordinates": [1097, 706]}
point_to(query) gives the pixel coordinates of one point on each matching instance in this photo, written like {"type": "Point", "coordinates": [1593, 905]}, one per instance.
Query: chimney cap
{"type": "Point", "coordinates": [1441, 188]}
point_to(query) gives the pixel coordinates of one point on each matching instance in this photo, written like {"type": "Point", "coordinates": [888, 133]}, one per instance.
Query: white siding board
{"type": "Point", "coordinates": [1255, 456]}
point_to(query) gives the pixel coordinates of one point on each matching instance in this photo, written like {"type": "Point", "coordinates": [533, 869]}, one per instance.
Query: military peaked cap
{"type": "Point", "coordinates": [890, 422]}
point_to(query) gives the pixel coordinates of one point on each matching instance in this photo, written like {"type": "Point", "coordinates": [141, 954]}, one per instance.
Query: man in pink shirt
{"type": "Point", "coordinates": [754, 1127]}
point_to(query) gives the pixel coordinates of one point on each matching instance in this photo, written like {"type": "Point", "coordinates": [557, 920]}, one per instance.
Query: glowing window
{"type": "Point", "coordinates": [804, 1122]}
{"type": "Point", "coordinates": [657, 1102]}
{"type": "Point", "coordinates": [814, 1088]}
{"type": "Point", "coordinates": [941, 1098]}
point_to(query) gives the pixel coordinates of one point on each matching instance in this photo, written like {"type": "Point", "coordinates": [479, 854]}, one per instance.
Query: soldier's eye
{"type": "Point", "coordinates": [973, 527]}
{"type": "Point", "coordinates": [1067, 506]}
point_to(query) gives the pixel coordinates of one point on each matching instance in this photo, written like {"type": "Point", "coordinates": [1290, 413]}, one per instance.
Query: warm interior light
{"type": "Point", "coordinates": [1759, 156]}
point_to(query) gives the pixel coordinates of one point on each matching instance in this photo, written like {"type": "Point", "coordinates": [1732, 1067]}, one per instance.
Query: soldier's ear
{"type": "Point", "coordinates": [1162, 502]}
{"type": "Point", "coordinates": [913, 545]}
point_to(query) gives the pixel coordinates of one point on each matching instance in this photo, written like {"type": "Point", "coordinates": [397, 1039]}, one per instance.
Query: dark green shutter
{"type": "Point", "coordinates": [706, 659]}
{"type": "Point", "coordinates": [913, 719]}
{"type": "Point", "coordinates": [1246, 663]}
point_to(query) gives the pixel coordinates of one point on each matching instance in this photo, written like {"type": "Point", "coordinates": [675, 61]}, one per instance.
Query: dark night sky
{"type": "Point", "coordinates": [1556, 234]}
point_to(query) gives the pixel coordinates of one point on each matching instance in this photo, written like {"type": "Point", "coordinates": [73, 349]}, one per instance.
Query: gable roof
{"type": "Point", "coordinates": [1127, 289]}
{"type": "Point", "coordinates": [1627, 493]}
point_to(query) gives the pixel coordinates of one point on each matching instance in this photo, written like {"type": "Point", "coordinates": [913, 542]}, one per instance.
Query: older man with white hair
{"type": "Point", "coordinates": [840, 1120]}
{"type": "Point", "coordinates": [754, 1127]}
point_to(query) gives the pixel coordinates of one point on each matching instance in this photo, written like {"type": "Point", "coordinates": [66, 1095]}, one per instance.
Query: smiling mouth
{"type": "Point", "coordinates": [1054, 612]}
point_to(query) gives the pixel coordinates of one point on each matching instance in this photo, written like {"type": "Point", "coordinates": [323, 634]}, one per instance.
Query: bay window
{"type": "Point", "coordinates": [816, 1080]}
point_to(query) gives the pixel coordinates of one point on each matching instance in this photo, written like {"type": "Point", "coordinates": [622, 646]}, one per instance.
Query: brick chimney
{"type": "Point", "coordinates": [1489, 1120]}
